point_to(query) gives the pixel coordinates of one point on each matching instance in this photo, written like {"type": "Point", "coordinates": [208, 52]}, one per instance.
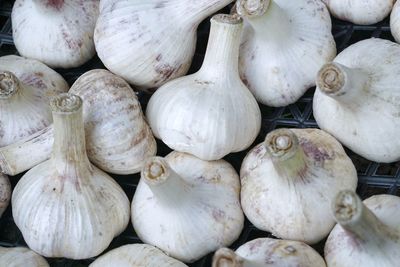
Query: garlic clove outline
{"type": "Point", "coordinates": [66, 207]}
{"type": "Point", "coordinates": [187, 207]}
{"type": "Point", "coordinates": [25, 88]}
{"type": "Point", "coordinates": [358, 90]}
{"type": "Point", "coordinates": [395, 21]}
{"type": "Point", "coordinates": [269, 252]}
{"type": "Point", "coordinates": [199, 114]}
{"type": "Point", "coordinates": [58, 32]}
{"type": "Point", "coordinates": [135, 255]}
{"type": "Point", "coordinates": [288, 182]}
{"type": "Point", "coordinates": [21, 256]}
{"type": "Point", "coordinates": [284, 44]}
{"type": "Point", "coordinates": [367, 233]}
{"type": "Point", "coordinates": [5, 192]}
{"type": "Point", "coordinates": [150, 43]}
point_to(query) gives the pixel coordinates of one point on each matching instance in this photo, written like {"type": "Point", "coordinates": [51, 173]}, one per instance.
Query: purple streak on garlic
{"type": "Point", "coordinates": [25, 88]}
{"type": "Point", "coordinates": [5, 193]}
{"type": "Point", "coordinates": [66, 207]}
{"type": "Point", "coordinates": [288, 182]}
{"type": "Point", "coordinates": [284, 44]}
{"type": "Point", "coordinates": [357, 99]}
{"type": "Point", "coordinates": [20, 256]}
{"type": "Point", "coordinates": [186, 206]}
{"type": "Point", "coordinates": [150, 42]}
{"type": "Point", "coordinates": [56, 32]}
{"type": "Point", "coordinates": [367, 233]}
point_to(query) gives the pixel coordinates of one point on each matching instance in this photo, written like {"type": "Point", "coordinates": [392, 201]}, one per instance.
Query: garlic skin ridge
{"type": "Point", "coordinates": [20, 257]}
{"type": "Point", "coordinates": [367, 233]}
{"type": "Point", "coordinates": [395, 21]}
{"type": "Point", "coordinates": [150, 42]}
{"type": "Point", "coordinates": [66, 207]}
{"type": "Point", "coordinates": [26, 85]}
{"type": "Point", "coordinates": [358, 91]}
{"type": "Point", "coordinates": [362, 12]}
{"type": "Point", "coordinates": [135, 255]}
{"type": "Point", "coordinates": [199, 113]}
{"type": "Point", "coordinates": [57, 32]}
{"type": "Point", "coordinates": [289, 180]}
{"type": "Point", "coordinates": [269, 252]}
{"type": "Point", "coordinates": [5, 193]}
{"type": "Point", "coordinates": [187, 207]}
{"type": "Point", "coordinates": [284, 44]}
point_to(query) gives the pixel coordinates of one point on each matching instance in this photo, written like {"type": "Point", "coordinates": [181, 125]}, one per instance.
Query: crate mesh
{"type": "Point", "coordinates": [374, 178]}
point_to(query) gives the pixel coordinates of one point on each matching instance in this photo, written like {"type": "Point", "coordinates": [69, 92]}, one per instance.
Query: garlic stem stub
{"type": "Point", "coordinates": [5, 193]}
{"type": "Point", "coordinates": [66, 207]}
{"type": "Point", "coordinates": [20, 256]}
{"type": "Point", "coordinates": [288, 182]}
{"type": "Point", "coordinates": [187, 207]}
{"type": "Point", "coordinates": [150, 43]}
{"type": "Point", "coordinates": [135, 255]}
{"type": "Point", "coordinates": [199, 113]}
{"type": "Point", "coordinates": [355, 100]}
{"type": "Point", "coordinates": [367, 233]}
{"type": "Point", "coordinates": [59, 33]}
{"type": "Point", "coordinates": [269, 252]}
{"type": "Point", "coordinates": [284, 44]}
{"type": "Point", "coordinates": [26, 85]}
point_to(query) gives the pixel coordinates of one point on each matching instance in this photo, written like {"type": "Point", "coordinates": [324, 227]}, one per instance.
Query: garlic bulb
{"type": "Point", "coordinates": [25, 88]}
{"type": "Point", "coordinates": [186, 206]}
{"type": "Point", "coordinates": [150, 42]}
{"type": "Point", "coordinates": [56, 32]}
{"type": "Point", "coordinates": [117, 136]}
{"type": "Point", "coordinates": [211, 113]}
{"type": "Point", "coordinates": [269, 252]}
{"type": "Point", "coordinates": [367, 234]}
{"type": "Point", "coordinates": [5, 193]}
{"type": "Point", "coordinates": [357, 99]}
{"type": "Point", "coordinates": [66, 207]}
{"type": "Point", "coordinates": [21, 257]}
{"type": "Point", "coordinates": [395, 21]}
{"type": "Point", "coordinates": [284, 44]}
{"type": "Point", "coordinates": [363, 12]}
{"type": "Point", "coordinates": [289, 180]}
{"type": "Point", "coordinates": [136, 255]}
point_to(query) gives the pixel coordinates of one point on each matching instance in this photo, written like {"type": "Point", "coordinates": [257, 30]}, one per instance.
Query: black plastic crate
{"type": "Point", "coordinates": [373, 178]}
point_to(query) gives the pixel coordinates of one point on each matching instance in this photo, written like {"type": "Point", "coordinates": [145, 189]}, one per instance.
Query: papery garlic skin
{"type": "Point", "coordinates": [56, 32]}
{"type": "Point", "coordinates": [150, 42]}
{"type": "Point", "coordinates": [269, 252]}
{"type": "Point", "coordinates": [5, 193]}
{"type": "Point", "coordinates": [211, 113]}
{"type": "Point", "coordinates": [284, 44]}
{"type": "Point", "coordinates": [21, 257]}
{"type": "Point", "coordinates": [136, 255]}
{"type": "Point", "coordinates": [289, 180]}
{"type": "Point", "coordinates": [367, 233]}
{"type": "Point", "coordinates": [363, 12]}
{"type": "Point", "coordinates": [25, 88]}
{"type": "Point", "coordinates": [66, 207]}
{"type": "Point", "coordinates": [357, 99]}
{"type": "Point", "coordinates": [395, 21]}
{"type": "Point", "coordinates": [187, 207]}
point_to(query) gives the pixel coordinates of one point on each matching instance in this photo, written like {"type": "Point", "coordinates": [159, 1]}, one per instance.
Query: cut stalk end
{"type": "Point", "coordinates": [347, 207]}
{"type": "Point", "coordinates": [252, 8]}
{"type": "Point", "coordinates": [331, 79]}
{"type": "Point", "coordinates": [155, 170]}
{"type": "Point", "coordinates": [9, 84]}
{"type": "Point", "coordinates": [225, 257]}
{"type": "Point", "coordinates": [66, 103]}
{"type": "Point", "coordinates": [281, 143]}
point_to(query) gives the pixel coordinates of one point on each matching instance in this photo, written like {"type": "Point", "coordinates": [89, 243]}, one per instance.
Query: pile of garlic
{"type": "Point", "coordinates": [296, 184]}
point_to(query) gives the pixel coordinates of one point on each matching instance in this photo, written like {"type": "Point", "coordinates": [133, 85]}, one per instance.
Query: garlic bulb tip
{"type": "Point", "coordinates": [66, 103]}
{"type": "Point", "coordinates": [8, 84]}
{"type": "Point", "coordinates": [282, 142]}
{"type": "Point", "coordinates": [347, 207]}
{"type": "Point", "coordinates": [331, 78]}
{"type": "Point", "coordinates": [252, 8]}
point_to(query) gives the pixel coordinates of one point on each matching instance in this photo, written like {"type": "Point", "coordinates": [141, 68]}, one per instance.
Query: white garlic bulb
{"type": "Point", "coordinates": [367, 234]}
{"type": "Point", "coordinates": [5, 193]}
{"type": "Point", "coordinates": [186, 206]}
{"type": "Point", "coordinates": [357, 99]}
{"type": "Point", "coordinates": [117, 136]}
{"type": "Point", "coordinates": [25, 88]}
{"type": "Point", "coordinates": [66, 207]}
{"type": "Point", "coordinates": [395, 21]}
{"type": "Point", "coordinates": [289, 180]}
{"type": "Point", "coordinates": [21, 257]}
{"type": "Point", "coordinates": [56, 32]}
{"type": "Point", "coordinates": [363, 12]}
{"type": "Point", "coordinates": [284, 44]}
{"type": "Point", "coordinates": [211, 113]}
{"type": "Point", "coordinates": [136, 255]}
{"type": "Point", "coordinates": [150, 42]}
{"type": "Point", "coordinates": [264, 252]}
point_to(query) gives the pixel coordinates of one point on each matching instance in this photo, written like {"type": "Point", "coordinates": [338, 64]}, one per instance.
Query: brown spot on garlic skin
{"type": "Point", "coordinates": [166, 71]}
{"type": "Point", "coordinates": [57, 4]}
{"type": "Point", "coordinates": [218, 215]}
{"type": "Point", "coordinates": [315, 152]}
